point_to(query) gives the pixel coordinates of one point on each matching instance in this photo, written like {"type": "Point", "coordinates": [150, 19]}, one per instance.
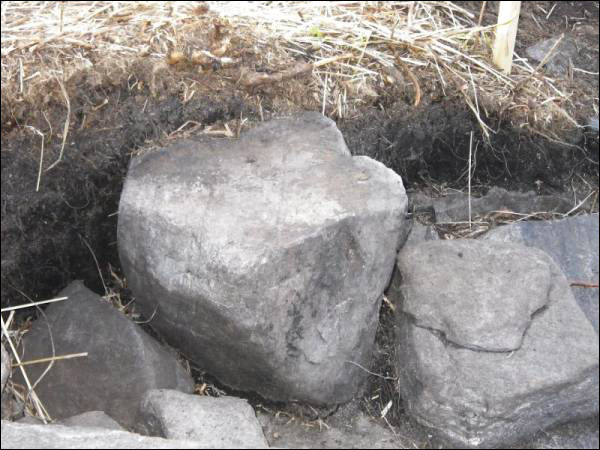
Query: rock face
{"type": "Point", "coordinates": [491, 344]}
{"type": "Point", "coordinates": [225, 422]}
{"type": "Point", "coordinates": [572, 243]}
{"type": "Point", "coordinates": [265, 258]}
{"type": "Point", "coordinates": [16, 435]}
{"type": "Point", "coordinates": [123, 362]}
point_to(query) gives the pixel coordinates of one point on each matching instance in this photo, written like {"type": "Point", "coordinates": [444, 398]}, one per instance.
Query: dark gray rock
{"type": "Point", "coordinates": [572, 243]}
{"type": "Point", "coordinates": [265, 258]}
{"type": "Point", "coordinates": [225, 422]}
{"type": "Point", "coordinates": [558, 65]}
{"type": "Point", "coordinates": [491, 344]}
{"type": "Point", "coordinates": [455, 207]}
{"type": "Point", "coordinates": [18, 435]}
{"type": "Point", "coordinates": [92, 419]}
{"type": "Point", "coordinates": [123, 362]}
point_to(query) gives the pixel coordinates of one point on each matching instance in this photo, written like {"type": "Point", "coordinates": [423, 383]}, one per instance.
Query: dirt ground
{"type": "Point", "coordinates": [66, 228]}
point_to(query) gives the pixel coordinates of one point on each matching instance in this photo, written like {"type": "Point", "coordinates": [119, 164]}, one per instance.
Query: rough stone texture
{"type": "Point", "coordinates": [5, 367]}
{"type": "Point", "coordinates": [265, 258]}
{"type": "Point", "coordinates": [491, 344]}
{"type": "Point", "coordinates": [17, 435]}
{"type": "Point", "coordinates": [420, 233]}
{"type": "Point", "coordinates": [559, 64]}
{"type": "Point", "coordinates": [92, 419]}
{"type": "Point", "coordinates": [581, 434]}
{"type": "Point", "coordinates": [572, 243]}
{"type": "Point", "coordinates": [225, 422]}
{"type": "Point", "coordinates": [361, 433]}
{"type": "Point", "coordinates": [123, 362]}
{"type": "Point", "coordinates": [5, 403]}
{"type": "Point", "coordinates": [455, 207]}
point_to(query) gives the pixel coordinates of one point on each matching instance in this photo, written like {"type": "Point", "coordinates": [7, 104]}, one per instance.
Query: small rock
{"type": "Point", "coordinates": [572, 243]}
{"type": "Point", "coordinates": [225, 422]}
{"type": "Point", "coordinates": [265, 258]}
{"type": "Point", "coordinates": [18, 435]}
{"type": "Point", "coordinates": [491, 344]}
{"type": "Point", "coordinates": [123, 362]}
{"type": "Point", "coordinates": [92, 419]}
{"type": "Point", "coordinates": [558, 65]}
{"type": "Point", "coordinates": [455, 207]}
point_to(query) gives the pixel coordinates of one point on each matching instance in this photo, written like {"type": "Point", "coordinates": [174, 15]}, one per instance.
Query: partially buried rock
{"type": "Point", "coordinates": [491, 344]}
{"type": "Point", "coordinates": [265, 258]}
{"type": "Point", "coordinates": [123, 361]}
{"type": "Point", "coordinates": [225, 422]}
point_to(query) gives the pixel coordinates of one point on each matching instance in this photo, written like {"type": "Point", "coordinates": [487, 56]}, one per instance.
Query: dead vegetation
{"type": "Point", "coordinates": [351, 52]}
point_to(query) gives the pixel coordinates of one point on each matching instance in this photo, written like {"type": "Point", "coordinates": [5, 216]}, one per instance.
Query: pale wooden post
{"type": "Point", "coordinates": [506, 34]}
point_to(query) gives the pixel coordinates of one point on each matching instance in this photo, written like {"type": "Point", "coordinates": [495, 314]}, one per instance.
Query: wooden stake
{"type": "Point", "coordinates": [506, 34]}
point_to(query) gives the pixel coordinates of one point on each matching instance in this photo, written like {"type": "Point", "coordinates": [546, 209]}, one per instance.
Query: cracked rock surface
{"type": "Point", "coordinates": [264, 259]}
{"type": "Point", "coordinates": [492, 346]}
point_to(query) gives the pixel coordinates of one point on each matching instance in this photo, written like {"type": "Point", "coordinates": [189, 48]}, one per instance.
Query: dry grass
{"type": "Point", "coordinates": [355, 51]}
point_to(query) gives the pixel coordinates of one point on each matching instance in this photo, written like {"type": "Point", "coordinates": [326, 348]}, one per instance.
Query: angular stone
{"type": "Point", "coordinates": [225, 422]}
{"type": "Point", "coordinates": [572, 243]}
{"type": "Point", "coordinates": [92, 419]}
{"type": "Point", "coordinates": [480, 382]}
{"type": "Point", "coordinates": [123, 361]}
{"type": "Point", "coordinates": [455, 207]}
{"type": "Point", "coordinates": [265, 258]}
{"type": "Point", "coordinates": [25, 436]}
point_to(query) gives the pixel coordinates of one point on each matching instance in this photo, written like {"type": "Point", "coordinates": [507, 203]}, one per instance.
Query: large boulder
{"type": "Point", "coordinates": [572, 243]}
{"type": "Point", "coordinates": [491, 343]}
{"type": "Point", "coordinates": [225, 422]}
{"type": "Point", "coordinates": [25, 436]}
{"type": "Point", "coordinates": [264, 259]}
{"type": "Point", "coordinates": [123, 361]}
